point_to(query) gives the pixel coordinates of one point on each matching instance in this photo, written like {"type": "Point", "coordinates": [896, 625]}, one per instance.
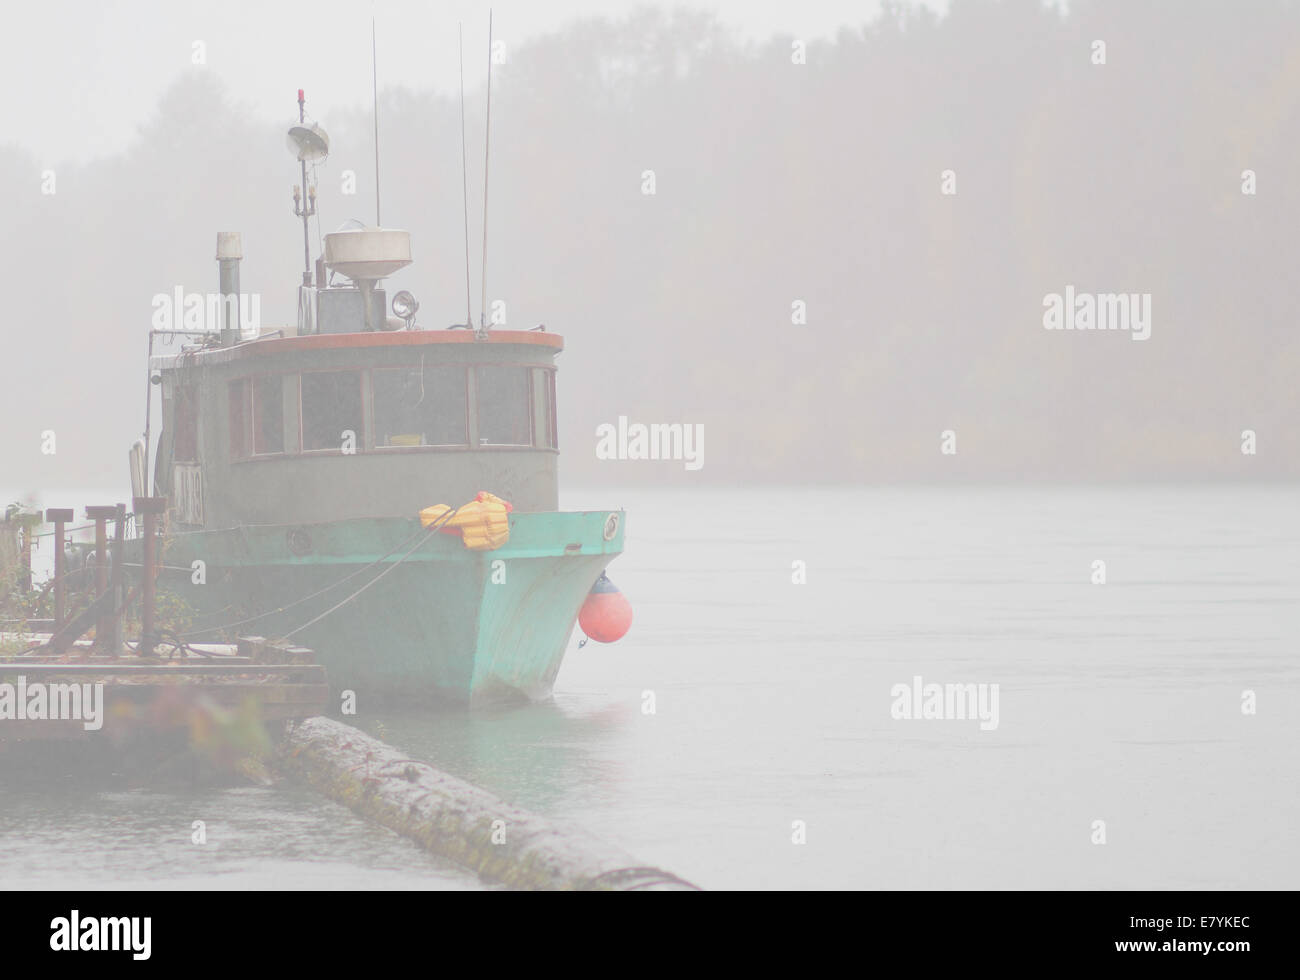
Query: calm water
{"type": "Point", "coordinates": [1118, 702]}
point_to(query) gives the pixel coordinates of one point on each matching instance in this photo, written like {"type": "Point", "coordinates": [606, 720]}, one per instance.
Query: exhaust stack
{"type": "Point", "coordinates": [229, 252]}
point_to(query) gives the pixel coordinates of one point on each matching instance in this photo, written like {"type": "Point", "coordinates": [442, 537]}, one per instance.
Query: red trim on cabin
{"type": "Point", "coordinates": [399, 338]}
{"type": "Point", "coordinates": [396, 338]}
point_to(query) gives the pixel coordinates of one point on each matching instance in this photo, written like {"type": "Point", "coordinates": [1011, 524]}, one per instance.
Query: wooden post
{"type": "Point", "coordinates": [59, 517]}
{"type": "Point", "coordinates": [25, 559]}
{"type": "Point", "coordinates": [149, 508]}
{"type": "Point", "coordinates": [117, 584]}
{"type": "Point", "coordinates": [101, 515]}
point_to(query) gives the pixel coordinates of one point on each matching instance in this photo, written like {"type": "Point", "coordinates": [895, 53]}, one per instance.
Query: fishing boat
{"type": "Point", "coordinates": [304, 468]}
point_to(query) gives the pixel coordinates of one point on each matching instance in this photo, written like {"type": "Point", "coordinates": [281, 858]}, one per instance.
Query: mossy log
{"type": "Point", "coordinates": [454, 819]}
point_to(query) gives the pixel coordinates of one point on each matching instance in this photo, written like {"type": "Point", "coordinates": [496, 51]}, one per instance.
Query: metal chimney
{"type": "Point", "coordinates": [229, 252]}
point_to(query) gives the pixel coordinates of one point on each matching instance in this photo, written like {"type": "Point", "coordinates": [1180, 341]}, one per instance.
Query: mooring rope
{"type": "Point", "coordinates": [297, 602]}
{"type": "Point", "coordinates": [433, 526]}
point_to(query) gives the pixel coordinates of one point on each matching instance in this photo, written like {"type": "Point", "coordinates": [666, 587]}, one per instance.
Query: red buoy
{"type": "Point", "coordinates": [606, 614]}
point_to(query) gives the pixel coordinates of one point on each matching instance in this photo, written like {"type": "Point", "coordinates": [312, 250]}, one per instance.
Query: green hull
{"type": "Point", "coordinates": [443, 622]}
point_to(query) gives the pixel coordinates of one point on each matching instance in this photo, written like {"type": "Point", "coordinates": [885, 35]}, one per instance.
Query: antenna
{"type": "Point", "coordinates": [309, 144]}
{"type": "Point", "coordinates": [464, 170]}
{"type": "Point", "coordinates": [487, 146]}
{"type": "Point", "coordinates": [374, 80]}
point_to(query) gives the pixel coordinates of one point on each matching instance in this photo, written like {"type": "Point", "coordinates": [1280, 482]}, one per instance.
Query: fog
{"type": "Point", "coordinates": [847, 253]}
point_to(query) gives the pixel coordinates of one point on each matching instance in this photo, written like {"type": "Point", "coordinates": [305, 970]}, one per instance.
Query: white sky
{"type": "Point", "coordinates": [80, 75]}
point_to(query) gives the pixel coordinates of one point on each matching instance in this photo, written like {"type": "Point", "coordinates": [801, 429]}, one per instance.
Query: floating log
{"type": "Point", "coordinates": [456, 820]}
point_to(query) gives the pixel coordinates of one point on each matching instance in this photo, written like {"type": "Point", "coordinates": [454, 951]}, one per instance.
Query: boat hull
{"type": "Point", "coordinates": [402, 612]}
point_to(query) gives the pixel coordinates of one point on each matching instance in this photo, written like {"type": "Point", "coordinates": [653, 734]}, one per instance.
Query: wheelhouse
{"type": "Point", "coordinates": [331, 426]}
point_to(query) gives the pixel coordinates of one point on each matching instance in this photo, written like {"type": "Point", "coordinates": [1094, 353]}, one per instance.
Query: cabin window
{"type": "Point", "coordinates": [552, 413]}
{"type": "Point", "coordinates": [331, 410]}
{"type": "Point", "coordinates": [185, 420]}
{"type": "Point", "coordinates": [503, 396]}
{"type": "Point", "coordinates": [239, 419]}
{"type": "Point", "coordinates": [419, 406]}
{"type": "Point", "coordinates": [544, 435]}
{"type": "Point", "coordinates": [268, 414]}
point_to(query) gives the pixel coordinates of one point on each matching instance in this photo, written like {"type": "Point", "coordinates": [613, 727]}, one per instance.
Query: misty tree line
{"type": "Point", "coordinates": [783, 175]}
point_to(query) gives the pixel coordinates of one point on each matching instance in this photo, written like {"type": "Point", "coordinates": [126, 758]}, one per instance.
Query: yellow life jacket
{"type": "Point", "coordinates": [483, 522]}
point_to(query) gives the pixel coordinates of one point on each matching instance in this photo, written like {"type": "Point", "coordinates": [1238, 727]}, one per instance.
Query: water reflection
{"type": "Point", "coordinates": [546, 757]}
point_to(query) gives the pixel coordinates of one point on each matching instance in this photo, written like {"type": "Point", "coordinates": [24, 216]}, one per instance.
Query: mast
{"type": "Point", "coordinates": [464, 174]}
{"type": "Point", "coordinates": [374, 85]}
{"type": "Point", "coordinates": [487, 149]}
{"type": "Point", "coordinates": [304, 210]}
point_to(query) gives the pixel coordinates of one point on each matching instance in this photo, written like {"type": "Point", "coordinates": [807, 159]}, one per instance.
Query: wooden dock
{"type": "Point", "coordinates": [225, 698]}
{"type": "Point", "coordinates": [256, 680]}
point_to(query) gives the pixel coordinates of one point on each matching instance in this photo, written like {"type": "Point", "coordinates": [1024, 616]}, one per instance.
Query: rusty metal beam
{"type": "Point", "coordinates": [101, 514]}
{"type": "Point", "coordinates": [138, 669]}
{"type": "Point", "coordinates": [150, 508]}
{"type": "Point", "coordinates": [59, 517]}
